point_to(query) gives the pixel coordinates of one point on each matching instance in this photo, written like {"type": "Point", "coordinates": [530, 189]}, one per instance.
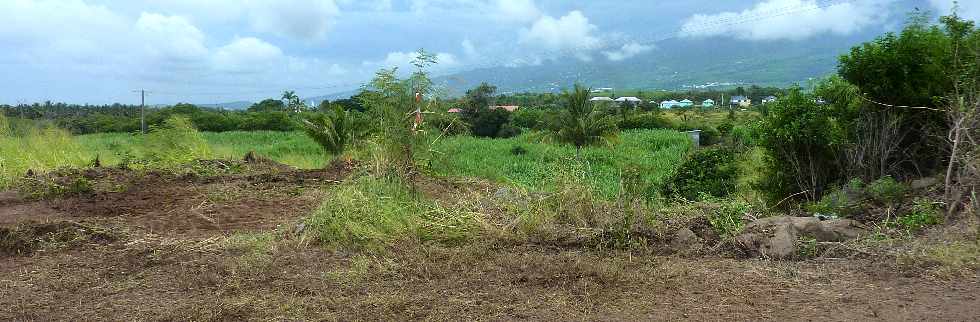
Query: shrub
{"type": "Point", "coordinates": [450, 124]}
{"type": "Point", "coordinates": [508, 131]}
{"type": "Point", "coordinates": [709, 172]}
{"type": "Point", "coordinates": [518, 150]}
{"type": "Point", "coordinates": [335, 129]}
{"type": "Point", "coordinates": [725, 128]}
{"type": "Point", "coordinates": [844, 201]}
{"type": "Point", "coordinates": [647, 121]}
{"type": "Point", "coordinates": [173, 143]}
{"type": "Point", "coordinates": [923, 214]}
{"type": "Point", "coordinates": [886, 190]}
{"type": "Point", "coordinates": [371, 212]}
{"type": "Point", "coordinates": [529, 118]}
{"type": "Point", "coordinates": [803, 139]}
{"type": "Point", "coordinates": [727, 220]}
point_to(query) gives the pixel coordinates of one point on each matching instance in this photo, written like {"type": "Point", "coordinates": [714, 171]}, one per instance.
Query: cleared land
{"type": "Point", "coordinates": [231, 240]}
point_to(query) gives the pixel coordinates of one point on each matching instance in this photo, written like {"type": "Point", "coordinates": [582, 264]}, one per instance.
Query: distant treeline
{"type": "Point", "coordinates": [286, 114]}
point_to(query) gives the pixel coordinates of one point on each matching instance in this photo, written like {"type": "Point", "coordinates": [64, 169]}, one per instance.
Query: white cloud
{"type": "Point", "coordinates": [170, 37]}
{"type": "Point", "coordinates": [968, 9]}
{"type": "Point", "coordinates": [247, 55]}
{"type": "Point", "coordinates": [469, 49]}
{"type": "Point", "coordinates": [518, 10]}
{"type": "Point", "coordinates": [403, 61]}
{"type": "Point", "coordinates": [788, 19]}
{"type": "Point", "coordinates": [628, 51]}
{"type": "Point", "coordinates": [573, 33]}
{"type": "Point", "coordinates": [308, 20]}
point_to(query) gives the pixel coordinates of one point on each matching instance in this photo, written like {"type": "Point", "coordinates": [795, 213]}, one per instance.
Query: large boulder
{"type": "Point", "coordinates": [776, 237]}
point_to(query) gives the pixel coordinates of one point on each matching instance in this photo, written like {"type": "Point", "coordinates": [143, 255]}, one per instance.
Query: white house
{"type": "Point", "coordinates": [708, 103]}
{"type": "Point", "coordinates": [769, 99]}
{"type": "Point", "coordinates": [602, 99]}
{"type": "Point", "coordinates": [669, 104]}
{"type": "Point", "coordinates": [629, 99]}
{"type": "Point", "coordinates": [685, 103]}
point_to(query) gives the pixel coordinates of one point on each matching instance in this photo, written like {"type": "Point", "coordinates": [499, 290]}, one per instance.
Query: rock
{"type": "Point", "coordinates": [776, 237]}
{"type": "Point", "coordinates": [924, 183]}
{"type": "Point", "coordinates": [503, 194]}
{"type": "Point", "coordinates": [685, 240]}
{"type": "Point", "coordinates": [300, 228]}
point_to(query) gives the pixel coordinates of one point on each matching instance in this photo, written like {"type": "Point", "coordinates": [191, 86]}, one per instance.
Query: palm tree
{"type": "Point", "coordinates": [335, 129]}
{"type": "Point", "coordinates": [580, 124]}
{"type": "Point", "coordinates": [292, 100]}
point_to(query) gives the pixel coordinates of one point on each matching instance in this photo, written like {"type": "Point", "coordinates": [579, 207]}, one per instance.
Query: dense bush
{"type": "Point", "coordinates": [173, 143]}
{"type": "Point", "coordinates": [804, 141]}
{"type": "Point", "coordinates": [508, 131]}
{"type": "Point", "coordinates": [708, 172]}
{"type": "Point", "coordinates": [529, 118]}
{"type": "Point", "coordinates": [447, 123]}
{"type": "Point", "coordinates": [645, 121]}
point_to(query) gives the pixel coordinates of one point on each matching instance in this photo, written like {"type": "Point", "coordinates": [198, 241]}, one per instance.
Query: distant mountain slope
{"type": "Point", "coordinates": [676, 64]}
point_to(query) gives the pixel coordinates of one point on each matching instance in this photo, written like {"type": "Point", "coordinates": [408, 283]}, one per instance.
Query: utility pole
{"type": "Point", "coordinates": [142, 110]}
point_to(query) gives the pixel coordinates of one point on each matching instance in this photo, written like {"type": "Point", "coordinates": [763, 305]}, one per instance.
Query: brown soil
{"type": "Point", "coordinates": [154, 250]}
{"type": "Point", "coordinates": [192, 206]}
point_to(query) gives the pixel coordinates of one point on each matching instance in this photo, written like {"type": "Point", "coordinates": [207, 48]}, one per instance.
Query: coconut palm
{"type": "Point", "coordinates": [580, 124]}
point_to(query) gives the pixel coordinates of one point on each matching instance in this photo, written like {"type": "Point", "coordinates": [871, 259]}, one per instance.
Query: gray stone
{"type": "Point", "coordinates": [504, 194]}
{"type": "Point", "coordinates": [686, 240]}
{"type": "Point", "coordinates": [924, 183]}
{"type": "Point", "coordinates": [776, 237]}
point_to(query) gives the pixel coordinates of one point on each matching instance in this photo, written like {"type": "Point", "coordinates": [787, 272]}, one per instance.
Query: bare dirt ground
{"type": "Point", "coordinates": [158, 249]}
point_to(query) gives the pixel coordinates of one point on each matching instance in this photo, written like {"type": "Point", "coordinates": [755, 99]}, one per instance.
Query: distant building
{"type": "Point", "coordinates": [741, 101]}
{"type": "Point", "coordinates": [509, 108]}
{"type": "Point", "coordinates": [708, 103]}
{"type": "Point", "coordinates": [669, 104]}
{"type": "Point", "coordinates": [602, 99]}
{"type": "Point", "coordinates": [602, 89]}
{"type": "Point", "coordinates": [685, 103]}
{"type": "Point", "coordinates": [629, 99]}
{"type": "Point", "coordinates": [768, 99]}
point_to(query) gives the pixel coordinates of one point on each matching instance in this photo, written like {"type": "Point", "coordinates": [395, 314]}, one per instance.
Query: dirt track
{"type": "Point", "coordinates": [169, 262]}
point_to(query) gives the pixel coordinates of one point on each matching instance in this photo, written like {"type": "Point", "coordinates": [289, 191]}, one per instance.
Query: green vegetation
{"type": "Point", "coordinates": [654, 152]}
{"type": "Point", "coordinates": [581, 124]}
{"type": "Point", "coordinates": [708, 173]}
{"type": "Point", "coordinates": [374, 212]}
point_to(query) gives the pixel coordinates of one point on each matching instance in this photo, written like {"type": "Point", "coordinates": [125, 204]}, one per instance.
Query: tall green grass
{"type": "Point", "coordinates": [292, 148]}
{"type": "Point", "coordinates": [40, 148]}
{"type": "Point", "coordinates": [528, 163]}
{"type": "Point", "coordinates": [373, 212]}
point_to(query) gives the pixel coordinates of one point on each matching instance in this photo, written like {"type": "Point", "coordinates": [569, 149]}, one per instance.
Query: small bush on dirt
{"type": "Point", "coordinates": [46, 187]}
{"type": "Point", "coordinates": [922, 215]}
{"type": "Point", "coordinates": [844, 201]}
{"type": "Point", "coordinates": [727, 219]}
{"type": "Point", "coordinates": [374, 212]}
{"type": "Point", "coordinates": [175, 142]}
{"type": "Point", "coordinates": [886, 190]}
{"type": "Point", "coordinates": [708, 172]}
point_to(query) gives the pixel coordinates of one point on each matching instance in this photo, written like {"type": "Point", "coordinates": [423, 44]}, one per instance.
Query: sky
{"type": "Point", "coordinates": [211, 51]}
